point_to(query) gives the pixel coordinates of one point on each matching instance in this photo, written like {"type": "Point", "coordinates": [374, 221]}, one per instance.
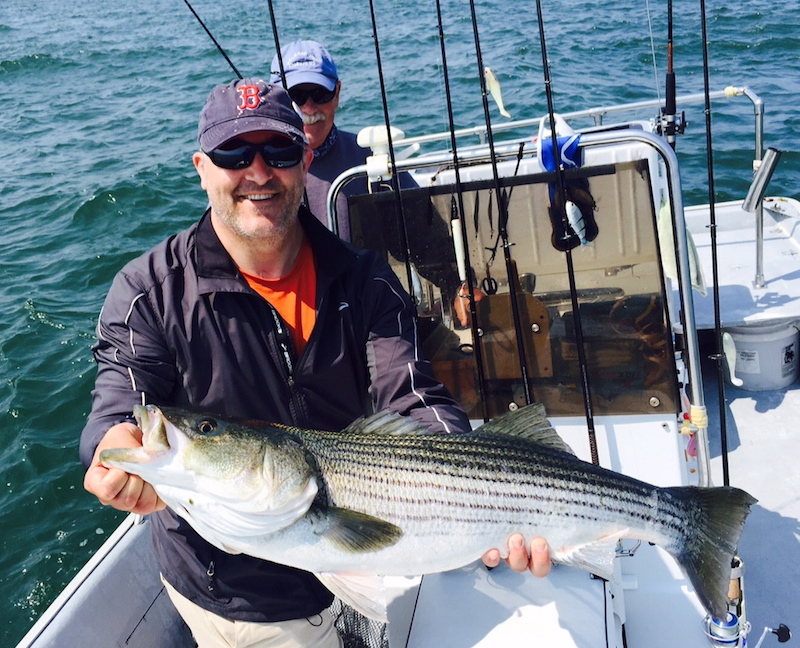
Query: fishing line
{"type": "Point", "coordinates": [653, 48]}
{"type": "Point", "coordinates": [414, 609]}
{"type": "Point", "coordinates": [214, 40]}
{"type": "Point", "coordinates": [723, 420]}
{"type": "Point", "coordinates": [573, 290]}
{"type": "Point", "coordinates": [394, 179]}
{"type": "Point", "coordinates": [502, 217]}
{"type": "Point", "coordinates": [507, 200]}
{"type": "Point", "coordinates": [457, 216]}
{"type": "Point", "coordinates": [282, 72]}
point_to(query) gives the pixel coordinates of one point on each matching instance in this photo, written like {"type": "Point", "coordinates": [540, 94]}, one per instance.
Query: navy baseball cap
{"type": "Point", "coordinates": [246, 106]}
{"type": "Point", "coordinates": [305, 61]}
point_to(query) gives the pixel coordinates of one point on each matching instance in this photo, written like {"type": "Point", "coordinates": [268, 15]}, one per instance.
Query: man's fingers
{"type": "Point", "coordinates": [105, 483]}
{"type": "Point", "coordinates": [540, 558]}
{"type": "Point", "coordinates": [520, 559]}
{"type": "Point", "coordinates": [116, 488]}
{"type": "Point", "coordinates": [517, 553]}
{"type": "Point", "coordinates": [149, 501]}
{"type": "Point", "coordinates": [491, 558]}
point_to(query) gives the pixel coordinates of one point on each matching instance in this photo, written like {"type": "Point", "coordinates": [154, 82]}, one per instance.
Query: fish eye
{"type": "Point", "coordinates": [207, 426]}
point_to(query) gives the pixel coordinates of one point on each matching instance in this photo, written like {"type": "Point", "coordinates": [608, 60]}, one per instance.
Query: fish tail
{"type": "Point", "coordinates": [712, 523]}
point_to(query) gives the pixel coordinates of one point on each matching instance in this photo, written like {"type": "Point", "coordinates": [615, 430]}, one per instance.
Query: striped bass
{"type": "Point", "coordinates": [387, 497]}
{"type": "Point", "coordinates": [493, 86]}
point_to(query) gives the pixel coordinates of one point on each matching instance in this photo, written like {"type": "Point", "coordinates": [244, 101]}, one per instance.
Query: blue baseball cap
{"type": "Point", "coordinates": [247, 106]}
{"type": "Point", "coordinates": [305, 61]}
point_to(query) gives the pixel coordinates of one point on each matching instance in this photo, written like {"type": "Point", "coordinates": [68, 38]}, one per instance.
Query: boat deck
{"type": "Point", "coordinates": [763, 437]}
{"type": "Point", "coordinates": [741, 302]}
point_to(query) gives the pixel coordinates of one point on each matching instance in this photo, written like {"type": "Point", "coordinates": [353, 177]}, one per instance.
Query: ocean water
{"type": "Point", "coordinates": [98, 113]}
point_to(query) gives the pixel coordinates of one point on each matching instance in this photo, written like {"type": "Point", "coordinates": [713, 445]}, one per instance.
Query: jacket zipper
{"type": "Point", "coordinates": [284, 341]}
{"type": "Point", "coordinates": [211, 582]}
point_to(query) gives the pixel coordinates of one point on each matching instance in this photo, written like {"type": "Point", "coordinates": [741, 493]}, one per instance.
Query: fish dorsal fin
{"type": "Point", "coordinates": [386, 422]}
{"type": "Point", "coordinates": [529, 422]}
{"type": "Point", "coordinates": [364, 593]}
{"type": "Point", "coordinates": [355, 532]}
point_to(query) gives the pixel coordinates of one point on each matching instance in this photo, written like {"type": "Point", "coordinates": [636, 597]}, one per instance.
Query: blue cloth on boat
{"type": "Point", "coordinates": [569, 151]}
{"type": "Point", "coordinates": [574, 223]}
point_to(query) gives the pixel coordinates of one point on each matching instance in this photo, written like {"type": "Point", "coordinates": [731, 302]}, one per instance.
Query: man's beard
{"type": "Point", "coordinates": [272, 229]}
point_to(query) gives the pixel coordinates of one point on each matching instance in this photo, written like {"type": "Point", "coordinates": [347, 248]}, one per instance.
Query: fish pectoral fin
{"type": "Point", "coordinates": [596, 557]}
{"type": "Point", "coordinates": [365, 593]}
{"type": "Point", "coordinates": [356, 532]}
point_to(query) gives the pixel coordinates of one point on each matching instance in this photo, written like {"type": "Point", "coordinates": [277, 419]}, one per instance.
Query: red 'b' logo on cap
{"type": "Point", "coordinates": [249, 96]}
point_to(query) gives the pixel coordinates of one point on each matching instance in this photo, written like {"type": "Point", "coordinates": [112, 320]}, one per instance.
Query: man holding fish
{"type": "Point", "coordinates": [256, 311]}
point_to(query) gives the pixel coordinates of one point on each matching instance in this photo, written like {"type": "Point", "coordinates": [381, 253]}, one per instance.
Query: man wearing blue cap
{"type": "Point", "coordinates": [313, 84]}
{"type": "Point", "coordinates": [218, 319]}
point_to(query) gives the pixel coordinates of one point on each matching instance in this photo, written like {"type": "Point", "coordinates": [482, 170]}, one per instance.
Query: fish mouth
{"type": "Point", "coordinates": [152, 423]}
{"type": "Point", "coordinates": [154, 441]}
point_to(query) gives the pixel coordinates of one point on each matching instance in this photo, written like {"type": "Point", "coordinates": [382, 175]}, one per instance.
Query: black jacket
{"type": "Point", "coordinates": [180, 326]}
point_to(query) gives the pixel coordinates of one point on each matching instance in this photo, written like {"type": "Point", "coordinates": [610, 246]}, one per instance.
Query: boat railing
{"type": "Point", "coordinates": [77, 581]}
{"type": "Point", "coordinates": [599, 113]}
{"type": "Point", "coordinates": [509, 148]}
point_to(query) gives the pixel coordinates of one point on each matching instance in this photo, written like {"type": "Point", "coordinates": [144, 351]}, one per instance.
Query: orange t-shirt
{"type": "Point", "coordinates": [294, 296]}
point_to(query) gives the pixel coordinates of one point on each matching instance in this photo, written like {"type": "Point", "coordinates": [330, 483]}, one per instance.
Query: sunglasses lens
{"type": "Point", "coordinates": [240, 157]}
{"type": "Point", "coordinates": [282, 157]}
{"type": "Point", "coordinates": [318, 95]}
{"type": "Point", "coordinates": [278, 156]}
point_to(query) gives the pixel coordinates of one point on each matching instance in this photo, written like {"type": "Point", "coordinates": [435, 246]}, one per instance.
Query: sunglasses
{"type": "Point", "coordinates": [278, 154]}
{"type": "Point", "coordinates": [317, 94]}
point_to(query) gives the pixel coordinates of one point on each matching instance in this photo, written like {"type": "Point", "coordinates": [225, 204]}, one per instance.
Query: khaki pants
{"type": "Point", "coordinates": [213, 631]}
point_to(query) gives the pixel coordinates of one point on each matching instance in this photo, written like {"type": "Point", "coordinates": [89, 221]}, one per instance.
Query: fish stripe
{"type": "Point", "coordinates": [510, 470]}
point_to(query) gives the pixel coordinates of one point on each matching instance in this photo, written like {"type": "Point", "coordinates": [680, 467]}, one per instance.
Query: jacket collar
{"type": "Point", "coordinates": [216, 271]}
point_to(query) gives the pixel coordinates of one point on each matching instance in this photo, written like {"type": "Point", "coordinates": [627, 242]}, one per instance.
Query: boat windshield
{"type": "Point", "coordinates": [620, 290]}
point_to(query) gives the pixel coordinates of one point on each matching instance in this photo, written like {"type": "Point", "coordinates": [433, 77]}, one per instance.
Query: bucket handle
{"type": "Point", "coordinates": [729, 349]}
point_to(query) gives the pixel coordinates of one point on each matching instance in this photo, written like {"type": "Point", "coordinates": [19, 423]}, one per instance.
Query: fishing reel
{"type": "Point", "coordinates": [671, 124]}
{"type": "Point", "coordinates": [731, 633]}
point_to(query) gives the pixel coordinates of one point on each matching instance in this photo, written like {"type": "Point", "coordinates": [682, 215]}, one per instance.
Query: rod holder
{"type": "Point", "coordinates": [761, 179]}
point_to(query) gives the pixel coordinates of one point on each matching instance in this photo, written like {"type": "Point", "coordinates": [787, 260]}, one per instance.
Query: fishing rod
{"type": "Point", "coordinates": [669, 125]}
{"type": "Point", "coordinates": [669, 94]}
{"type": "Point", "coordinates": [278, 53]}
{"type": "Point", "coordinates": [502, 218]}
{"type": "Point", "coordinates": [394, 179]}
{"type": "Point", "coordinates": [718, 355]}
{"type": "Point", "coordinates": [460, 238]}
{"type": "Point", "coordinates": [213, 40]}
{"type": "Point", "coordinates": [567, 243]}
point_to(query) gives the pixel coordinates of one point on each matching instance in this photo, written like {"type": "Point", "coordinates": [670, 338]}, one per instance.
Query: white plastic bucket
{"type": "Point", "coordinates": [765, 355]}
